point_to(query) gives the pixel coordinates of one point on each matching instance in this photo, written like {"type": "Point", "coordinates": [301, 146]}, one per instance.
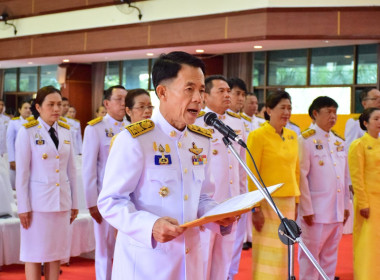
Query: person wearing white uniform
{"type": "Point", "coordinates": [46, 187]}
{"type": "Point", "coordinates": [294, 127]}
{"type": "Point", "coordinates": [13, 128]}
{"type": "Point", "coordinates": [96, 145]}
{"type": "Point", "coordinates": [76, 130]}
{"type": "Point", "coordinates": [324, 200]}
{"type": "Point", "coordinates": [4, 120]}
{"type": "Point", "coordinates": [218, 250]}
{"type": "Point", "coordinates": [249, 111]}
{"type": "Point", "coordinates": [158, 176]}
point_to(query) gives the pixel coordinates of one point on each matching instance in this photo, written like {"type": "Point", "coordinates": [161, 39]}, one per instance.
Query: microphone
{"type": "Point", "coordinates": [211, 119]}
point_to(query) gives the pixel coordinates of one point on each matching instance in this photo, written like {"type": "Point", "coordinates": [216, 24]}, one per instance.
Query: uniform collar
{"type": "Point", "coordinates": [112, 121]}
{"type": "Point", "coordinates": [166, 127]}
{"type": "Point", "coordinates": [321, 132]}
{"type": "Point", "coordinates": [46, 126]}
{"type": "Point", "coordinates": [220, 117]}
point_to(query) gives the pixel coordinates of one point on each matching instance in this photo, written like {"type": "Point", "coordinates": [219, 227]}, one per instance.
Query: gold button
{"type": "Point", "coordinates": [338, 190]}
{"type": "Point", "coordinates": [179, 144]}
{"type": "Point", "coordinates": [173, 133]}
{"type": "Point", "coordinates": [44, 156]}
{"type": "Point", "coordinates": [230, 166]}
{"type": "Point", "coordinates": [186, 197]}
{"type": "Point", "coordinates": [57, 185]}
{"type": "Point", "coordinates": [57, 170]}
{"type": "Point", "coordinates": [56, 156]}
{"type": "Point", "coordinates": [229, 151]}
{"type": "Point", "coordinates": [231, 182]}
{"type": "Point", "coordinates": [334, 163]}
{"type": "Point", "coordinates": [115, 123]}
{"type": "Point", "coordinates": [331, 151]}
{"type": "Point", "coordinates": [214, 152]}
{"type": "Point", "coordinates": [187, 250]}
{"type": "Point", "coordinates": [185, 171]}
{"type": "Point", "coordinates": [338, 177]}
{"type": "Point", "coordinates": [185, 133]}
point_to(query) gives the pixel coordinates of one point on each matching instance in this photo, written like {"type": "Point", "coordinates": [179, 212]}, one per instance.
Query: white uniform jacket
{"type": "Point", "coordinates": [352, 131]}
{"type": "Point", "coordinates": [76, 133]}
{"type": "Point", "coordinates": [294, 127]}
{"type": "Point", "coordinates": [4, 120]}
{"type": "Point", "coordinates": [233, 180]}
{"type": "Point", "coordinates": [96, 145]}
{"type": "Point", "coordinates": [323, 176]}
{"type": "Point", "coordinates": [13, 127]}
{"type": "Point", "coordinates": [138, 190]}
{"type": "Point", "coordinates": [45, 177]}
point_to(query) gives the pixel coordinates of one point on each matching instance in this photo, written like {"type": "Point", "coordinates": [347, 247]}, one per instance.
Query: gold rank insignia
{"type": "Point", "coordinates": [44, 156]}
{"type": "Point", "coordinates": [39, 140]}
{"type": "Point", "coordinates": [139, 128]}
{"type": "Point", "coordinates": [162, 159]}
{"type": "Point", "coordinates": [95, 121]}
{"type": "Point", "coordinates": [245, 117]}
{"type": "Point", "coordinates": [66, 141]}
{"type": "Point", "coordinates": [307, 133]}
{"type": "Point", "coordinates": [109, 133]}
{"type": "Point", "coordinates": [201, 114]}
{"type": "Point", "coordinates": [195, 150]}
{"type": "Point", "coordinates": [321, 163]}
{"type": "Point", "coordinates": [30, 124]}
{"type": "Point", "coordinates": [164, 191]}
{"type": "Point", "coordinates": [233, 115]}
{"type": "Point", "coordinates": [337, 143]}
{"type": "Point", "coordinates": [319, 147]}
{"type": "Point", "coordinates": [64, 125]}
{"type": "Point", "coordinates": [200, 130]}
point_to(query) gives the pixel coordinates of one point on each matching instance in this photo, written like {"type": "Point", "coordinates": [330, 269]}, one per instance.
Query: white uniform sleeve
{"type": "Point", "coordinates": [11, 139]}
{"type": "Point", "coordinates": [350, 132]}
{"type": "Point", "coordinates": [72, 175]}
{"type": "Point", "coordinates": [306, 206]}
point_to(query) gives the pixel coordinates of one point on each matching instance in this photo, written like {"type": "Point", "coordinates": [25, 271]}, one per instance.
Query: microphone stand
{"type": "Point", "coordinates": [289, 232]}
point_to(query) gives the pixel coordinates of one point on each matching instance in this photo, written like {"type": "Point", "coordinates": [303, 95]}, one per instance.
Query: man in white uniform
{"type": "Point", "coordinates": [158, 176]}
{"type": "Point", "coordinates": [96, 145]}
{"type": "Point", "coordinates": [249, 112]}
{"type": "Point", "coordinates": [4, 121]}
{"type": "Point", "coordinates": [369, 97]}
{"type": "Point", "coordinates": [218, 250]}
{"type": "Point", "coordinates": [324, 200]}
{"type": "Point", "coordinates": [75, 129]}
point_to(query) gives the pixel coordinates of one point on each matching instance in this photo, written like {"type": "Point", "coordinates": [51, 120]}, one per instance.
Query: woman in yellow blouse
{"type": "Point", "coordinates": [364, 164]}
{"type": "Point", "coordinates": [275, 151]}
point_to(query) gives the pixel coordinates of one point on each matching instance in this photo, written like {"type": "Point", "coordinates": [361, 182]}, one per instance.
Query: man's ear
{"type": "Point", "coordinates": [105, 103]}
{"type": "Point", "coordinates": [161, 92]}
{"type": "Point", "coordinates": [315, 114]}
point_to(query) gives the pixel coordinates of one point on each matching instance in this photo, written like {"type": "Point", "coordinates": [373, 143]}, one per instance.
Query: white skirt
{"type": "Point", "coordinates": [47, 239]}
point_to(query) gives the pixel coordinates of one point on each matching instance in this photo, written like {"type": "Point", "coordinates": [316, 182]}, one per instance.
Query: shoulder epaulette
{"type": "Point", "coordinates": [31, 118]}
{"type": "Point", "coordinates": [307, 133]}
{"type": "Point", "coordinates": [15, 118]}
{"type": "Point", "coordinates": [200, 130]}
{"type": "Point", "coordinates": [95, 121]}
{"type": "Point", "coordinates": [62, 119]}
{"type": "Point", "coordinates": [293, 123]}
{"type": "Point", "coordinates": [73, 119]}
{"type": "Point", "coordinates": [337, 135]}
{"type": "Point", "coordinates": [260, 117]}
{"type": "Point", "coordinates": [233, 114]}
{"type": "Point", "coordinates": [356, 118]}
{"type": "Point", "coordinates": [201, 114]}
{"type": "Point", "coordinates": [113, 140]}
{"type": "Point", "coordinates": [31, 124]}
{"type": "Point", "coordinates": [139, 128]}
{"type": "Point", "coordinates": [245, 117]}
{"type": "Point", "coordinates": [64, 125]}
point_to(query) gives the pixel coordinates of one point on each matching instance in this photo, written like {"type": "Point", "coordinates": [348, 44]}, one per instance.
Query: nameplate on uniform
{"type": "Point", "coordinates": [162, 160]}
{"type": "Point", "coordinates": [199, 159]}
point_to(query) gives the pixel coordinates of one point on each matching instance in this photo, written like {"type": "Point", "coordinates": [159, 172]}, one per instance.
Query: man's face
{"type": "Point", "coordinates": [326, 117]}
{"type": "Point", "coordinates": [71, 112]}
{"type": "Point", "coordinates": [116, 105]}
{"type": "Point", "coordinates": [250, 105]}
{"type": "Point", "coordinates": [237, 99]}
{"type": "Point", "coordinates": [180, 97]}
{"type": "Point", "coordinates": [372, 99]}
{"type": "Point", "coordinates": [1, 106]}
{"type": "Point", "coordinates": [65, 107]}
{"type": "Point", "coordinates": [219, 99]}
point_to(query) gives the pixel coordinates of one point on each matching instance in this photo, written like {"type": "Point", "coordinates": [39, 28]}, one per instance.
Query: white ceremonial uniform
{"type": "Point", "coordinates": [13, 128]}
{"type": "Point", "coordinates": [45, 183]}
{"type": "Point", "coordinates": [352, 131]}
{"type": "Point", "coordinates": [230, 181]}
{"type": "Point", "coordinates": [96, 145]}
{"type": "Point", "coordinates": [154, 171]}
{"type": "Point", "coordinates": [76, 132]}
{"type": "Point", "coordinates": [294, 127]}
{"type": "Point", "coordinates": [4, 165]}
{"type": "Point", "coordinates": [324, 194]}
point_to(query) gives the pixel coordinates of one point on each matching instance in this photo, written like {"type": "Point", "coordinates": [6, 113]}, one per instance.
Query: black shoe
{"type": "Point", "coordinates": [247, 246]}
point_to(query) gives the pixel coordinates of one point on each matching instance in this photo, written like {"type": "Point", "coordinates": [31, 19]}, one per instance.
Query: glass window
{"type": "Point", "coordinates": [136, 74]}
{"type": "Point", "coordinates": [367, 64]}
{"type": "Point", "coordinates": [258, 73]}
{"type": "Point", "coordinates": [288, 67]}
{"type": "Point", "coordinates": [28, 79]}
{"type": "Point", "coordinates": [303, 97]}
{"type": "Point", "coordinates": [332, 66]}
{"type": "Point", "coordinates": [112, 77]}
{"type": "Point", "coordinates": [49, 76]}
{"type": "Point", "coordinates": [10, 79]}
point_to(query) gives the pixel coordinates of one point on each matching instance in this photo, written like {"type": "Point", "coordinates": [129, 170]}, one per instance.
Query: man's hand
{"type": "Point", "coordinates": [95, 214]}
{"type": "Point", "coordinates": [74, 214]}
{"type": "Point", "coordinates": [166, 229]}
{"type": "Point", "coordinates": [346, 215]}
{"type": "Point", "coordinates": [365, 212]}
{"type": "Point", "coordinates": [227, 221]}
{"type": "Point", "coordinates": [12, 165]}
{"type": "Point", "coordinates": [309, 220]}
{"type": "Point", "coordinates": [258, 220]}
{"type": "Point", "coordinates": [25, 219]}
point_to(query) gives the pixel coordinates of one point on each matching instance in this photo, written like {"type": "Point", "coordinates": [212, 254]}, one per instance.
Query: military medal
{"type": "Point", "coordinates": [162, 159]}
{"type": "Point", "coordinates": [321, 163]}
{"type": "Point", "coordinates": [195, 150]}
{"type": "Point", "coordinates": [164, 191]}
{"type": "Point", "coordinates": [39, 141]}
{"type": "Point", "coordinates": [66, 141]}
{"type": "Point", "coordinates": [319, 145]}
{"type": "Point", "coordinates": [214, 152]}
{"type": "Point", "coordinates": [339, 148]}
{"type": "Point", "coordinates": [109, 133]}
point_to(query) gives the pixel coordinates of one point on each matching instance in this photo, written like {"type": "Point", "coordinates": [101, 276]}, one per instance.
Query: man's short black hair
{"type": "Point", "coordinates": [209, 79]}
{"type": "Point", "coordinates": [236, 82]}
{"type": "Point", "coordinates": [168, 65]}
{"type": "Point", "coordinates": [108, 92]}
{"type": "Point", "coordinates": [364, 94]}
{"type": "Point", "coordinates": [65, 98]}
{"type": "Point", "coordinates": [322, 102]}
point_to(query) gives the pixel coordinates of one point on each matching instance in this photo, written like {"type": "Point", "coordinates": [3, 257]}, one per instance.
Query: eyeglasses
{"type": "Point", "coordinates": [143, 108]}
{"type": "Point", "coordinates": [373, 98]}
{"type": "Point", "coordinates": [119, 100]}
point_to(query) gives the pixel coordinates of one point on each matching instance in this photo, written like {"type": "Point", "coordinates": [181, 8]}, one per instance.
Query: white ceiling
{"type": "Point", "coordinates": [208, 49]}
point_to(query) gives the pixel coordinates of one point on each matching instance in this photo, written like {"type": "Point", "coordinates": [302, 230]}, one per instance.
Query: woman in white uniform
{"type": "Point", "coordinates": [46, 187]}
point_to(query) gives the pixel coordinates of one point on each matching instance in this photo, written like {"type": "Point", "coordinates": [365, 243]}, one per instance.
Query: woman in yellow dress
{"type": "Point", "coordinates": [275, 151]}
{"type": "Point", "coordinates": [364, 164]}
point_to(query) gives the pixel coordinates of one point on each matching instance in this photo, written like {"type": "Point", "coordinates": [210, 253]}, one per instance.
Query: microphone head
{"type": "Point", "coordinates": [209, 118]}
